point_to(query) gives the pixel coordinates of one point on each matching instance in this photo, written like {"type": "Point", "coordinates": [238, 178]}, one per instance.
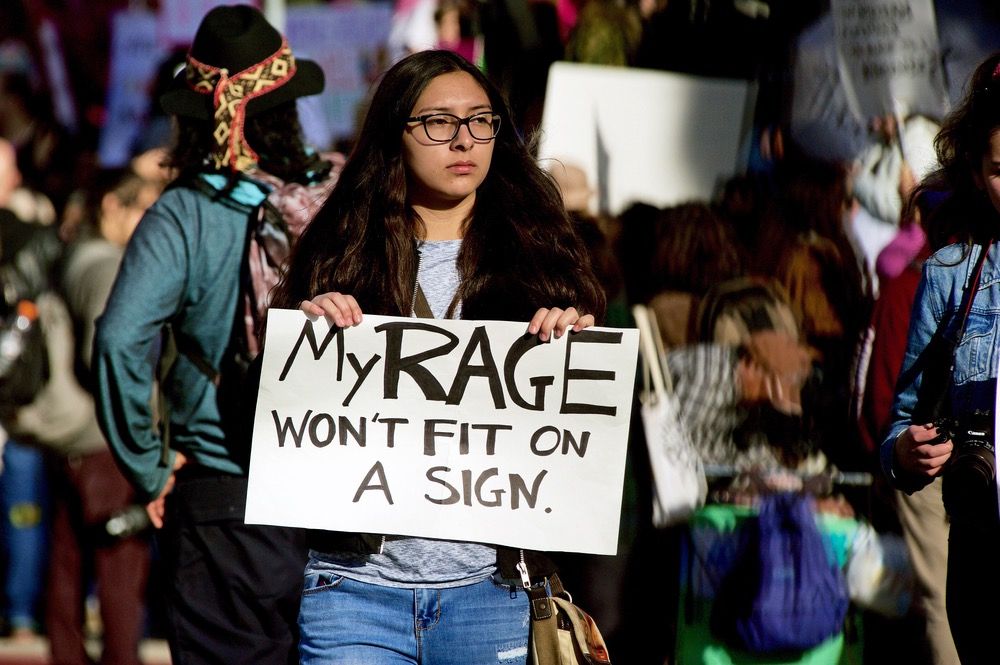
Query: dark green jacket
{"type": "Point", "coordinates": [182, 265]}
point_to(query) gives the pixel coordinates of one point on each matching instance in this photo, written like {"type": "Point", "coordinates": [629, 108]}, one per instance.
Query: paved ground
{"type": "Point", "coordinates": [35, 652]}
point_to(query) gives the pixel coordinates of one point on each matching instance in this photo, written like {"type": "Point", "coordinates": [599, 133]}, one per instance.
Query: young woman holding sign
{"type": "Point", "coordinates": [440, 208]}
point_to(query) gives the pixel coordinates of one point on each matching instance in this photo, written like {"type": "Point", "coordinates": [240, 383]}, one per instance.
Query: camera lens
{"type": "Point", "coordinates": [969, 483]}
{"type": "Point", "coordinates": [975, 465]}
{"type": "Point", "coordinates": [969, 493]}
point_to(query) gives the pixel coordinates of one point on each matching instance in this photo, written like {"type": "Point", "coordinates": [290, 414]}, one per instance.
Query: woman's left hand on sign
{"type": "Point", "coordinates": [547, 322]}
{"type": "Point", "coordinates": [340, 308]}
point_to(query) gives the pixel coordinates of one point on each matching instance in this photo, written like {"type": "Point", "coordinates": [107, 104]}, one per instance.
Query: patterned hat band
{"type": "Point", "coordinates": [230, 96]}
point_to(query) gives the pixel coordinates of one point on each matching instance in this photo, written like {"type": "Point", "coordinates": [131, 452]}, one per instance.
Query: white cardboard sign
{"type": "Point", "coordinates": [645, 136]}
{"type": "Point", "coordinates": [462, 430]}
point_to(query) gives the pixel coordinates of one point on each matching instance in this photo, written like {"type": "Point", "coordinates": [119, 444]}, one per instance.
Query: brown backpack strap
{"type": "Point", "coordinates": [173, 346]}
{"type": "Point", "coordinates": [164, 365]}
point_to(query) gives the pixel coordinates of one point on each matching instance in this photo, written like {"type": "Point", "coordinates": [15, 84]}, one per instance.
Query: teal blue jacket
{"type": "Point", "coordinates": [182, 265]}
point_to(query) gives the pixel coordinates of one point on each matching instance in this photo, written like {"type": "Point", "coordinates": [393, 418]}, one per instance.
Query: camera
{"type": "Point", "coordinates": [972, 468]}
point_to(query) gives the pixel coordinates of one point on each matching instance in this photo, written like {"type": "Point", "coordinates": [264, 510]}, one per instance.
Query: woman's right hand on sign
{"type": "Point", "coordinates": [340, 308]}
{"type": "Point", "coordinates": [921, 452]}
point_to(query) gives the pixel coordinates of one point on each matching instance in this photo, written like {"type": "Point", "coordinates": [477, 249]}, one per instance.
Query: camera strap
{"type": "Point", "coordinates": [970, 292]}
{"type": "Point", "coordinates": [939, 371]}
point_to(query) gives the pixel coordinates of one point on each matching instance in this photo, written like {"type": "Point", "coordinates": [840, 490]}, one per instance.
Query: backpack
{"type": "Point", "coordinates": [786, 593]}
{"type": "Point", "coordinates": [27, 254]}
{"type": "Point", "coordinates": [266, 250]}
{"type": "Point", "coordinates": [60, 417]}
{"type": "Point", "coordinates": [23, 361]}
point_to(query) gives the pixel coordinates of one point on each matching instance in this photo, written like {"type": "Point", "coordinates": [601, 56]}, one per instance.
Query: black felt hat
{"type": "Point", "coordinates": [235, 38]}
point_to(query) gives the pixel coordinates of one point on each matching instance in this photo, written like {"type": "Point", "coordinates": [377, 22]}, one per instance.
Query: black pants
{"type": "Point", "coordinates": [232, 589]}
{"type": "Point", "coordinates": [973, 590]}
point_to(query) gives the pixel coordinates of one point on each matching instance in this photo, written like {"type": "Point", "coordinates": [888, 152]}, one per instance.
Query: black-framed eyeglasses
{"type": "Point", "coordinates": [443, 127]}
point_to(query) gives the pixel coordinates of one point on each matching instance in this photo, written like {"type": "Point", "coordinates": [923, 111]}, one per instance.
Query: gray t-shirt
{"type": "Point", "coordinates": [421, 562]}
{"type": "Point", "coordinates": [438, 275]}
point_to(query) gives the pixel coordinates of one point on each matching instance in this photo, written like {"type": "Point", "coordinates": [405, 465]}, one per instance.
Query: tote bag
{"type": "Point", "coordinates": [679, 485]}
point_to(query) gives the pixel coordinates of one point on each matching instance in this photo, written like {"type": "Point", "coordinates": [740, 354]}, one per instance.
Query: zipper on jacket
{"type": "Point", "coordinates": [381, 544]}
{"type": "Point", "coordinates": [416, 284]}
{"type": "Point", "coordinates": [522, 568]}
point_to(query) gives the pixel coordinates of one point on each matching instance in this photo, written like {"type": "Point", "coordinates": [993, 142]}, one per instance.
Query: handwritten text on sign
{"type": "Point", "coordinates": [889, 56]}
{"type": "Point", "coordinates": [465, 430]}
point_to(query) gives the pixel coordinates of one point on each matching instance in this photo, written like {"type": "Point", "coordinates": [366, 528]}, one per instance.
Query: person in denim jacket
{"type": "Point", "coordinates": [946, 394]}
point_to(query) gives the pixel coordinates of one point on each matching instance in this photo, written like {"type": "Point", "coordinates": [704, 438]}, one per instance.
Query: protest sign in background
{"type": "Point", "coordinates": [348, 42]}
{"type": "Point", "coordinates": [645, 136]}
{"type": "Point", "coordinates": [461, 430]}
{"type": "Point", "coordinates": [889, 58]}
{"type": "Point", "coordinates": [136, 52]}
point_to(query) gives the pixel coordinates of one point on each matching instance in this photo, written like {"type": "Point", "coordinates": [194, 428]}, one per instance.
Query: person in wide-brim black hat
{"type": "Point", "coordinates": [200, 264]}
{"type": "Point", "coordinates": [238, 67]}
{"type": "Point", "coordinates": [236, 39]}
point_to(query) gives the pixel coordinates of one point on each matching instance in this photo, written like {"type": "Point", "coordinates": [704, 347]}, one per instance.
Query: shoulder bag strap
{"type": "Point", "coordinates": [652, 352]}
{"type": "Point", "coordinates": [420, 305]}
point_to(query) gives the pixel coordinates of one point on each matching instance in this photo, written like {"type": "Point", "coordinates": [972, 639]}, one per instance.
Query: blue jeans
{"type": "Point", "coordinates": [24, 501]}
{"type": "Point", "coordinates": [347, 622]}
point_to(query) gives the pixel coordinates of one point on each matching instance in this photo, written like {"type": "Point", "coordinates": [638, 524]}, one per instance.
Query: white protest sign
{"type": "Point", "coordinates": [462, 430]}
{"type": "Point", "coordinates": [645, 136]}
{"type": "Point", "coordinates": [889, 57]}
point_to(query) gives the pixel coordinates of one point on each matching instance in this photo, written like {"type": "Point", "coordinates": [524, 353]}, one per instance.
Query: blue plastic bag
{"type": "Point", "coordinates": [786, 593]}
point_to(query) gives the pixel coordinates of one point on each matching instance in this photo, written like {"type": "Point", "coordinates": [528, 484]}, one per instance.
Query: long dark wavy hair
{"type": "Point", "coordinates": [519, 252]}
{"type": "Point", "coordinates": [966, 214]}
{"type": "Point", "coordinates": [275, 135]}
{"type": "Point", "coordinates": [695, 250]}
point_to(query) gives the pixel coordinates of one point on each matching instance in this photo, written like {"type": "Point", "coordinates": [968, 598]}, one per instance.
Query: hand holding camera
{"type": "Point", "coordinates": [972, 434]}
{"type": "Point", "coordinates": [922, 451]}
{"type": "Point", "coordinates": [969, 490]}
{"type": "Point", "coordinates": [963, 449]}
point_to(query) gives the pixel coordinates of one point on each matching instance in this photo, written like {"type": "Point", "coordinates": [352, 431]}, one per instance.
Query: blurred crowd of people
{"type": "Point", "coordinates": [764, 301]}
